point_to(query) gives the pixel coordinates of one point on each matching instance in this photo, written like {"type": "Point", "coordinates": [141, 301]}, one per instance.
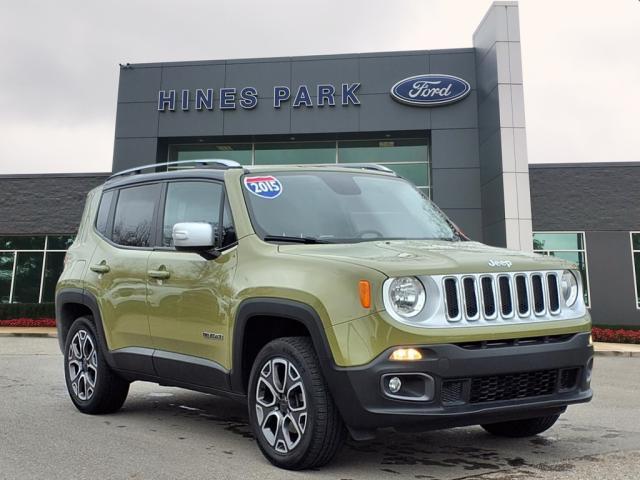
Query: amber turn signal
{"type": "Point", "coordinates": [405, 354]}
{"type": "Point", "coordinates": [365, 293]}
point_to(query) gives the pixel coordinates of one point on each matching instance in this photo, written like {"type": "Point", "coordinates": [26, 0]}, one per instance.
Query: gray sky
{"type": "Point", "coordinates": [59, 64]}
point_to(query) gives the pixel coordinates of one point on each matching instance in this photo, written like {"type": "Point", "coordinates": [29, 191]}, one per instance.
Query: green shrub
{"type": "Point", "coordinates": [27, 310]}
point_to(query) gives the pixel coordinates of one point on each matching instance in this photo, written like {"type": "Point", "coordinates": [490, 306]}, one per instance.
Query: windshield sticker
{"type": "Point", "coordinates": [265, 186]}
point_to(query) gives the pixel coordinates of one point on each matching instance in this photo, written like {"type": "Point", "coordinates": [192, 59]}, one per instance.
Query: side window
{"type": "Point", "coordinates": [103, 212]}
{"type": "Point", "coordinates": [228, 230]}
{"type": "Point", "coordinates": [134, 215]}
{"type": "Point", "coordinates": [191, 202]}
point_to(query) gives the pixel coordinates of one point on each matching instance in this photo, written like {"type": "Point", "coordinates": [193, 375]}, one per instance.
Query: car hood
{"type": "Point", "coordinates": [418, 257]}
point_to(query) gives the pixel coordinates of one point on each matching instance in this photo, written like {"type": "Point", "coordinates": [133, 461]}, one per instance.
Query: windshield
{"type": "Point", "coordinates": [339, 207]}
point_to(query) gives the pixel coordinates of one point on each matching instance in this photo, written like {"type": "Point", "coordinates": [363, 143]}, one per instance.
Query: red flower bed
{"type": "Point", "coordinates": [28, 322]}
{"type": "Point", "coordinates": [615, 336]}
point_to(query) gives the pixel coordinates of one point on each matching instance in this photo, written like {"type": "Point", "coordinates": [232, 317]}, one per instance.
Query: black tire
{"type": "Point", "coordinates": [323, 431]}
{"type": "Point", "coordinates": [109, 390]}
{"type": "Point", "coordinates": [521, 428]}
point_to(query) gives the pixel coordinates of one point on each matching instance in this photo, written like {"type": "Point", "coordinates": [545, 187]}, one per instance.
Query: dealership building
{"type": "Point", "coordinates": [450, 121]}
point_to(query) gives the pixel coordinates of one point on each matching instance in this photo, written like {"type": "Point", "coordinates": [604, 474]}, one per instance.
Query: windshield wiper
{"type": "Point", "coordinates": [285, 238]}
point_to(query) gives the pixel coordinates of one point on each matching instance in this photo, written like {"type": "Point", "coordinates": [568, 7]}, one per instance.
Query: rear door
{"type": "Point", "coordinates": [187, 294]}
{"type": "Point", "coordinates": [117, 274]}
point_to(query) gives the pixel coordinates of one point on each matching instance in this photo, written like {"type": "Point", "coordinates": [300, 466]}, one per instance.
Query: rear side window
{"type": "Point", "coordinates": [133, 220]}
{"type": "Point", "coordinates": [103, 212]}
{"type": "Point", "coordinates": [191, 202]}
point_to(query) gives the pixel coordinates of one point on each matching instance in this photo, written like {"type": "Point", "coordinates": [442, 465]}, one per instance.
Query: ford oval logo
{"type": "Point", "coordinates": [430, 90]}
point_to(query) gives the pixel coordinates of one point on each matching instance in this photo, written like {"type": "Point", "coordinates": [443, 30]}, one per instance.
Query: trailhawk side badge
{"type": "Point", "coordinates": [266, 186]}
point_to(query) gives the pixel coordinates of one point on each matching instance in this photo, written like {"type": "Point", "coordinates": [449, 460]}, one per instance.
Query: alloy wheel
{"type": "Point", "coordinates": [281, 405]}
{"type": "Point", "coordinates": [82, 362]}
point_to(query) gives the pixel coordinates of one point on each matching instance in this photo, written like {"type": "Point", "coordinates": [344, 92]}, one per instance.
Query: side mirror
{"type": "Point", "coordinates": [193, 235]}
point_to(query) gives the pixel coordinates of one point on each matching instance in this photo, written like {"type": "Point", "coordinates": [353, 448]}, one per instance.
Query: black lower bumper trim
{"type": "Point", "coordinates": [493, 385]}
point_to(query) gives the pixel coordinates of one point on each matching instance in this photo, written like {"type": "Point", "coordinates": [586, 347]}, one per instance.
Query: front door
{"type": "Point", "coordinates": [187, 294]}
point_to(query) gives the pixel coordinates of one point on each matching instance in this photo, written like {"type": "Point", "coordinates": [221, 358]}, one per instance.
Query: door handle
{"type": "Point", "coordinates": [159, 274]}
{"type": "Point", "coordinates": [100, 268]}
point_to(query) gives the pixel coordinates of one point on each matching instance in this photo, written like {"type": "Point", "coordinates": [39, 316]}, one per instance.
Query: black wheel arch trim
{"type": "Point", "coordinates": [283, 308]}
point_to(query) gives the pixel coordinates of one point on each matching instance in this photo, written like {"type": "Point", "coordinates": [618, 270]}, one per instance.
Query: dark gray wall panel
{"type": "Point", "coordinates": [133, 152]}
{"type": "Point", "coordinates": [461, 65]}
{"type": "Point", "coordinates": [381, 73]}
{"type": "Point", "coordinates": [262, 120]}
{"type": "Point", "coordinates": [41, 204]}
{"type": "Point", "coordinates": [263, 76]}
{"type": "Point", "coordinates": [462, 114]}
{"type": "Point", "coordinates": [585, 196]}
{"type": "Point", "coordinates": [312, 72]}
{"type": "Point", "coordinates": [455, 148]}
{"type": "Point", "coordinates": [137, 120]}
{"type": "Point", "coordinates": [190, 123]}
{"type": "Point", "coordinates": [199, 76]}
{"type": "Point", "coordinates": [139, 84]}
{"type": "Point", "coordinates": [325, 119]}
{"type": "Point", "coordinates": [468, 219]}
{"type": "Point", "coordinates": [456, 187]}
{"type": "Point", "coordinates": [380, 112]}
{"type": "Point", "coordinates": [613, 297]}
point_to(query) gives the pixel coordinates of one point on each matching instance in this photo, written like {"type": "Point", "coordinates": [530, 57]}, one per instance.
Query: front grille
{"type": "Point", "coordinates": [487, 296]}
{"type": "Point", "coordinates": [452, 391]}
{"type": "Point", "coordinates": [495, 388]}
{"type": "Point", "coordinates": [451, 298]}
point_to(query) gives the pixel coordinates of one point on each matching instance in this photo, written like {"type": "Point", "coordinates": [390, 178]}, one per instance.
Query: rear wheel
{"type": "Point", "coordinates": [521, 428]}
{"type": "Point", "coordinates": [294, 419]}
{"type": "Point", "coordinates": [93, 387]}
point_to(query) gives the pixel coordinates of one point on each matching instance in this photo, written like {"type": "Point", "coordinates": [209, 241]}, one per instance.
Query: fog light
{"type": "Point", "coordinates": [406, 354]}
{"type": "Point", "coordinates": [591, 340]}
{"type": "Point", "coordinates": [394, 385]}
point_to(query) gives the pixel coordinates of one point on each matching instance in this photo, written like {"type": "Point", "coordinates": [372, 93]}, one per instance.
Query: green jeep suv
{"type": "Point", "coordinates": [332, 300]}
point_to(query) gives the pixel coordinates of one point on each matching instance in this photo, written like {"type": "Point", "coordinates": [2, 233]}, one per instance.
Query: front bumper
{"type": "Point", "coordinates": [470, 385]}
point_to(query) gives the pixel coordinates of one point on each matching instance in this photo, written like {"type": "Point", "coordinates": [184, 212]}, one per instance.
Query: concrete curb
{"type": "Point", "coordinates": [616, 353]}
{"type": "Point", "coordinates": [28, 332]}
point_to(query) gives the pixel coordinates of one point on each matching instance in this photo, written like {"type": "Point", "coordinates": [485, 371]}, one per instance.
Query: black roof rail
{"type": "Point", "coordinates": [221, 163]}
{"type": "Point", "coordinates": [360, 166]}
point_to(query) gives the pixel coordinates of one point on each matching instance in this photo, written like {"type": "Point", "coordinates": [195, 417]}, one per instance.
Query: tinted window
{"type": "Point", "coordinates": [103, 212]}
{"type": "Point", "coordinates": [134, 215]}
{"type": "Point", "coordinates": [191, 202]}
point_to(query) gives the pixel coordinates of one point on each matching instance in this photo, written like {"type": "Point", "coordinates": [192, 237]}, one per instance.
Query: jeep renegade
{"type": "Point", "coordinates": [333, 300]}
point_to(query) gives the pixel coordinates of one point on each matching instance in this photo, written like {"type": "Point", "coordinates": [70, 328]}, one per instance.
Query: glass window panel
{"type": "Point", "coordinates": [382, 151]}
{"type": "Point", "coordinates": [635, 238]}
{"type": "Point", "coordinates": [557, 241]}
{"type": "Point", "coordinates": [52, 270]}
{"type": "Point", "coordinates": [26, 285]}
{"type": "Point", "coordinates": [240, 152]}
{"type": "Point", "coordinates": [636, 259]}
{"type": "Point", "coordinates": [21, 242]}
{"type": "Point", "coordinates": [59, 242]}
{"type": "Point", "coordinates": [191, 202]}
{"type": "Point", "coordinates": [417, 173]}
{"type": "Point", "coordinates": [295, 152]}
{"type": "Point", "coordinates": [6, 271]}
{"type": "Point", "coordinates": [134, 215]}
{"type": "Point", "coordinates": [103, 212]}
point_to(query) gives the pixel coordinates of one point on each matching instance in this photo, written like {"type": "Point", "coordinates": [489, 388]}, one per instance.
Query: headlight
{"type": "Point", "coordinates": [569, 288]}
{"type": "Point", "coordinates": [406, 296]}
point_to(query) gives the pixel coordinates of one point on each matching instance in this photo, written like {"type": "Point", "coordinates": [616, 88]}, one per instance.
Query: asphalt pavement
{"type": "Point", "coordinates": [169, 433]}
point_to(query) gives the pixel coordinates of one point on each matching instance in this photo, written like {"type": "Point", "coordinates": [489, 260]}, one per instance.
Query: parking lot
{"type": "Point", "coordinates": [171, 433]}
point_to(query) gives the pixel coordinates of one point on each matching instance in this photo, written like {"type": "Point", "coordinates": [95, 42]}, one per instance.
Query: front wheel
{"type": "Point", "coordinates": [521, 428]}
{"type": "Point", "coordinates": [294, 419]}
{"type": "Point", "coordinates": [93, 387]}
